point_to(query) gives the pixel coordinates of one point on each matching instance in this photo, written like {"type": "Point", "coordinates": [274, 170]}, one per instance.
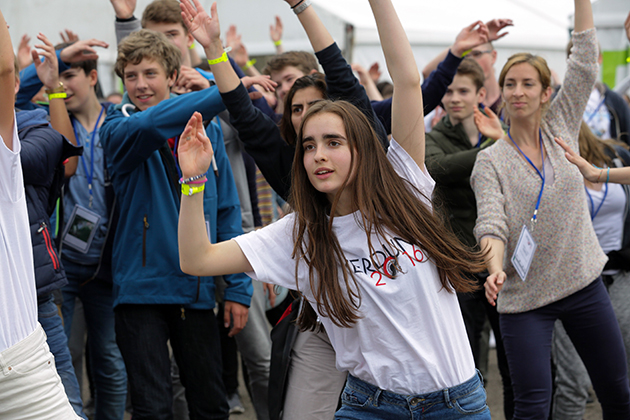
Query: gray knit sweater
{"type": "Point", "coordinates": [568, 257]}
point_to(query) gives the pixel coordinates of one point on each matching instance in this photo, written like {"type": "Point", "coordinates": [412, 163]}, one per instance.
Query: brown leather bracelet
{"type": "Point", "coordinates": [59, 89]}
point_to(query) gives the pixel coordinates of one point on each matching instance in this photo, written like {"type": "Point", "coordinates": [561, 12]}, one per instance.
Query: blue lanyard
{"type": "Point", "coordinates": [89, 175]}
{"type": "Point", "coordinates": [542, 176]}
{"type": "Point", "coordinates": [590, 197]}
{"type": "Point", "coordinates": [590, 117]}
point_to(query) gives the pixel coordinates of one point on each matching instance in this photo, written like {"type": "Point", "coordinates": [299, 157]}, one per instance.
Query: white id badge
{"type": "Point", "coordinates": [524, 253]}
{"type": "Point", "coordinates": [81, 228]}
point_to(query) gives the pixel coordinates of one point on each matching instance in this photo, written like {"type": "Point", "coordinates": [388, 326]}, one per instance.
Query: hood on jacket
{"type": "Point", "coordinates": [29, 118]}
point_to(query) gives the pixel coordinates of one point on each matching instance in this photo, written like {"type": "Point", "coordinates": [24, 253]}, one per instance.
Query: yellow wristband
{"type": "Point", "coordinates": [192, 189]}
{"type": "Point", "coordinates": [62, 95]}
{"type": "Point", "coordinates": [277, 43]}
{"type": "Point", "coordinates": [192, 46]}
{"type": "Point", "coordinates": [221, 59]}
{"type": "Point", "coordinates": [465, 53]}
{"type": "Point", "coordinates": [249, 64]}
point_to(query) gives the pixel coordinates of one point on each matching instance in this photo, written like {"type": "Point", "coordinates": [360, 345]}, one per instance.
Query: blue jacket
{"type": "Point", "coordinates": [145, 176]}
{"type": "Point", "coordinates": [43, 152]}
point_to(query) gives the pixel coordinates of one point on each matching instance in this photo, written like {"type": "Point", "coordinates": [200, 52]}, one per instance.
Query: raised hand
{"type": "Point", "coordinates": [24, 52]}
{"type": "Point", "coordinates": [489, 125]}
{"type": "Point", "coordinates": [495, 26]}
{"type": "Point", "coordinates": [275, 31]}
{"type": "Point", "coordinates": [626, 24]}
{"type": "Point", "coordinates": [124, 8]}
{"type": "Point", "coordinates": [69, 36]}
{"type": "Point", "coordinates": [361, 72]}
{"type": "Point", "coordinates": [375, 72]}
{"type": "Point", "coordinates": [194, 150]}
{"type": "Point", "coordinates": [493, 285]}
{"type": "Point", "coordinates": [470, 37]}
{"type": "Point", "coordinates": [588, 171]}
{"type": "Point", "coordinates": [82, 50]}
{"type": "Point", "coordinates": [203, 27]}
{"type": "Point", "coordinates": [48, 70]}
{"type": "Point", "coordinates": [234, 40]}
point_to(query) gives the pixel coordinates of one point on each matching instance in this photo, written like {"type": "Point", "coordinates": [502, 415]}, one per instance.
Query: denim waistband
{"type": "Point", "coordinates": [445, 395]}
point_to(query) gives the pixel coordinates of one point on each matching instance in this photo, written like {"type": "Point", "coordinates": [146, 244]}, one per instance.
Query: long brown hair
{"type": "Point", "coordinates": [385, 202]}
{"type": "Point", "coordinates": [595, 150]}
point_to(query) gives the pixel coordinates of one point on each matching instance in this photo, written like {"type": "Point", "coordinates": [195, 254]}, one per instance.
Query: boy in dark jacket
{"type": "Point", "coordinates": [154, 301]}
{"type": "Point", "coordinates": [451, 150]}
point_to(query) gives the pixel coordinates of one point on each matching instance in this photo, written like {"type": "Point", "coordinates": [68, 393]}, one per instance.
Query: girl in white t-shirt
{"type": "Point", "coordinates": [367, 251]}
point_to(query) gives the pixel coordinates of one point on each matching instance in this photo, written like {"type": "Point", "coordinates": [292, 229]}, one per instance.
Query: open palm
{"type": "Point", "coordinates": [194, 150]}
{"type": "Point", "coordinates": [203, 27]}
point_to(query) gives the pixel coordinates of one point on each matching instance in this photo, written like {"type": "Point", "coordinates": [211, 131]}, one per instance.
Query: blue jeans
{"type": "Point", "coordinates": [589, 320]}
{"type": "Point", "coordinates": [364, 401]}
{"type": "Point", "coordinates": [143, 331]}
{"type": "Point", "coordinates": [106, 362]}
{"type": "Point", "coordinates": [48, 317]}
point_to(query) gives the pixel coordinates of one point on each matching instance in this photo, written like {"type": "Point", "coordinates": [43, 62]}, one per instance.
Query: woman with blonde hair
{"type": "Point", "coordinates": [544, 258]}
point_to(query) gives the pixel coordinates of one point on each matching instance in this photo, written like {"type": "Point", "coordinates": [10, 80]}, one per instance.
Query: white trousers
{"type": "Point", "coordinates": [30, 388]}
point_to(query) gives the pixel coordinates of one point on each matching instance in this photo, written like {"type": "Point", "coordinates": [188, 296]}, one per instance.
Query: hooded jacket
{"type": "Point", "coordinates": [145, 177]}
{"type": "Point", "coordinates": [450, 158]}
{"type": "Point", "coordinates": [43, 153]}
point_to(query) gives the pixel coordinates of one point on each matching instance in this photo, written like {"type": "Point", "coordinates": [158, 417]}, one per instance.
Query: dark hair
{"type": "Point", "coordinates": [385, 88]}
{"type": "Point", "coordinates": [87, 65]}
{"type": "Point", "coordinates": [316, 80]}
{"type": "Point", "coordinates": [302, 60]}
{"type": "Point", "coordinates": [469, 67]}
{"type": "Point", "coordinates": [385, 202]}
{"type": "Point", "coordinates": [163, 11]}
{"type": "Point", "coordinates": [147, 44]}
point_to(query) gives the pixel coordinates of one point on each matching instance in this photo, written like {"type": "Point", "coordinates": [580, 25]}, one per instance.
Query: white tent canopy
{"type": "Point", "coordinates": [541, 26]}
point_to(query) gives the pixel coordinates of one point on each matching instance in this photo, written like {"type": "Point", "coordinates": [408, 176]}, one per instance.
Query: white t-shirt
{"type": "Point", "coordinates": [411, 339]}
{"type": "Point", "coordinates": [18, 301]}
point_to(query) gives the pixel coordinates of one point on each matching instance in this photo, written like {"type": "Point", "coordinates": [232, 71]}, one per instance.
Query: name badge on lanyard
{"type": "Point", "coordinates": [526, 245]}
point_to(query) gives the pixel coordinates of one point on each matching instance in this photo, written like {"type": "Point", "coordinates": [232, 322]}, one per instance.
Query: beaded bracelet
{"type": "Point", "coordinates": [192, 178]}
{"type": "Point", "coordinates": [199, 181]}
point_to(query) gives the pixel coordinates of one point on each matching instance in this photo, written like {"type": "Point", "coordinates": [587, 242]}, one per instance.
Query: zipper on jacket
{"type": "Point", "coordinates": [43, 229]}
{"type": "Point", "coordinates": [145, 227]}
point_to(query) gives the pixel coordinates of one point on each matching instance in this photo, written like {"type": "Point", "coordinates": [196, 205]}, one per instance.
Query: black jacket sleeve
{"type": "Point", "coordinates": [262, 140]}
{"type": "Point", "coordinates": [433, 89]}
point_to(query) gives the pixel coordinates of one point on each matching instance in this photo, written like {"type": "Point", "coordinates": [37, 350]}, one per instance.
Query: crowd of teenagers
{"type": "Point", "coordinates": [353, 240]}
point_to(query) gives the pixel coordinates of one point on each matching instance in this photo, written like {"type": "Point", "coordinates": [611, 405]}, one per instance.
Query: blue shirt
{"type": "Point", "coordinates": [77, 193]}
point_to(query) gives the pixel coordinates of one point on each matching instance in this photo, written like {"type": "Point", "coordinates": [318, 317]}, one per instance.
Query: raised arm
{"type": "Point", "coordinates": [48, 73]}
{"type": "Point", "coordinates": [207, 32]}
{"type": "Point", "coordinates": [275, 32]}
{"type": "Point", "coordinates": [197, 256]}
{"type": "Point", "coordinates": [473, 35]}
{"type": "Point", "coordinates": [407, 110]}
{"type": "Point", "coordinates": [7, 84]}
{"type": "Point", "coordinates": [317, 33]}
{"type": "Point", "coordinates": [583, 15]}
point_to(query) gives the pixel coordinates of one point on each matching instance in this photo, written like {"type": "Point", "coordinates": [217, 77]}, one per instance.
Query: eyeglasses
{"type": "Point", "coordinates": [477, 54]}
